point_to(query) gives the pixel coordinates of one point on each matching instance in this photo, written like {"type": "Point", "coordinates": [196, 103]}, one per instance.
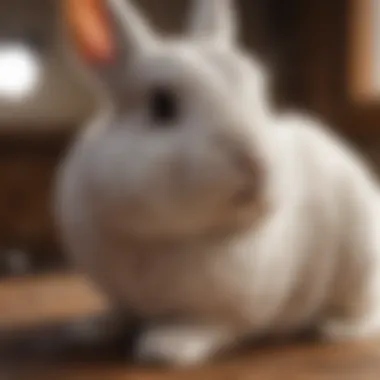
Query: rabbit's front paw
{"type": "Point", "coordinates": [180, 345]}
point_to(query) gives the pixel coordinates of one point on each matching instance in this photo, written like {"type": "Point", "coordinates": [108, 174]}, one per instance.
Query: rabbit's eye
{"type": "Point", "coordinates": [163, 106]}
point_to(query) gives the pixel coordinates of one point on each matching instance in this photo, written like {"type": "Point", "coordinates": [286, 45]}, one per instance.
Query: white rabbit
{"type": "Point", "coordinates": [190, 202]}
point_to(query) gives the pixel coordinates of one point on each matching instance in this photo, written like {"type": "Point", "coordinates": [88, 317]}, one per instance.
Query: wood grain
{"type": "Point", "coordinates": [361, 53]}
{"type": "Point", "coordinates": [40, 301]}
{"type": "Point", "coordinates": [359, 361]}
{"type": "Point", "coordinates": [31, 302]}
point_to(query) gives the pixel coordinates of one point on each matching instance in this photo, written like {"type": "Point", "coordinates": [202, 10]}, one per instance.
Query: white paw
{"type": "Point", "coordinates": [180, 346]}
{"type": "Point", "coordinates": [345, 330]}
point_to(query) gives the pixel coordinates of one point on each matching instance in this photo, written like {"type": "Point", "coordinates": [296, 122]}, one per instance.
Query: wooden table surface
{"type": "Point", "coordinates": [47, 305]}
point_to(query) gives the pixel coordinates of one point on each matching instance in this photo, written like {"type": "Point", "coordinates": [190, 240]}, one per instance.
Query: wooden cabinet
{"type": "Point", "coordinates": [364, 51]}
{"type": "Point", "coordinates": [339, 60]}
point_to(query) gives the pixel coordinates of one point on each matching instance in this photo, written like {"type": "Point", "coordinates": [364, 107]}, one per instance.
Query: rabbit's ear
{"type": "Point", "coordinates": [107, 32]}
{"type": "Point", "coordinates": [130, 27]}
{"type": "Point", "coordinates": [213, 20]}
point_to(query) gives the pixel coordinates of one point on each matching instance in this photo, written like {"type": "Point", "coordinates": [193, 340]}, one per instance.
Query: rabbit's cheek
{"type": "Point", "coordinates": [205, 177]}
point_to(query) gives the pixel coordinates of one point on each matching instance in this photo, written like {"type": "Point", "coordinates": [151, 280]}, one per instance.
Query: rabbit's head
{"type": "Point", "coordinates": [181, 152]}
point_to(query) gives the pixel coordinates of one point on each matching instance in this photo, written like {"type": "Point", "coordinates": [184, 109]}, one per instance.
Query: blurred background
{"type": "Point", "coordinates": [324, 57]}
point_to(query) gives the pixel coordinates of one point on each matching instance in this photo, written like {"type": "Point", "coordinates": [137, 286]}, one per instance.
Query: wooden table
{"type": "Point", "coordinates": [41, 305]}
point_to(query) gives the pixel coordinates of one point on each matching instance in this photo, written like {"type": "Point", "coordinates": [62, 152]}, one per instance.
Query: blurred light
{"type": "Point", "coordinates": [20, 71]}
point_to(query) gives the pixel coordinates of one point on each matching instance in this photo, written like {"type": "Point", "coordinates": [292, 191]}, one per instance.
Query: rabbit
{"type": "Point", "coordinates": [196, 206]}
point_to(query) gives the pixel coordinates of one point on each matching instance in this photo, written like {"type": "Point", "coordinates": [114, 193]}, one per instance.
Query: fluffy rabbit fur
{"type": "Point", "coordinates": [194, 205]}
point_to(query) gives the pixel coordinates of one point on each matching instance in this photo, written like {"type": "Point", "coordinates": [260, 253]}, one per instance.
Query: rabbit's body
{"type": "Point", "coordinates": [305, 252]}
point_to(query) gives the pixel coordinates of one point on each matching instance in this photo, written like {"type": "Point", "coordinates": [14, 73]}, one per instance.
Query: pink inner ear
{"type": "Point", "coordinates": [88, 23]}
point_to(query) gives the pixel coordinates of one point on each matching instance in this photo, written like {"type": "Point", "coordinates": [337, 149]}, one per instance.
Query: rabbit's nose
{"type": "Point", "coordinates": [250, 178]}
{"type": "Point", "coordinates": [245, 162]}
